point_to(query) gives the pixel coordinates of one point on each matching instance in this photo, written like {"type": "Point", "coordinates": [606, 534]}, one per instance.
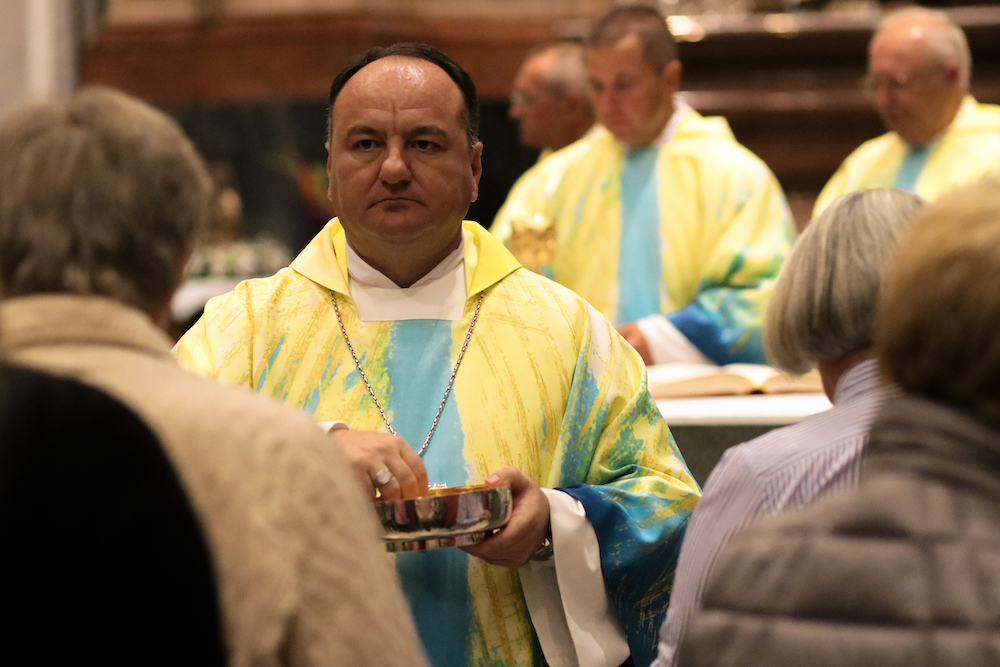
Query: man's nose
{"type": "Point", "coordinates": [395, 169]}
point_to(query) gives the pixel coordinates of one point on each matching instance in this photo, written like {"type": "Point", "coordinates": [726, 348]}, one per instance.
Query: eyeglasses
{"type": "Point", "coordinates": [894, 83]}
{"type": "Point", "coordinates": [523, 98]}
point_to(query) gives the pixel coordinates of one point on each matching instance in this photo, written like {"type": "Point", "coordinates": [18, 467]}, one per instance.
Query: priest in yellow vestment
{"type": "Point", "coordinates": [939, 136]}
{"type": "Point", "coordinates": [659, 218]}
{"type": "Point", "coordinates": [398, 317]}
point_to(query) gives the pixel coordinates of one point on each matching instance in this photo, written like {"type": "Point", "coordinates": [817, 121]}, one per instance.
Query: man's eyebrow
{"type": "Point", "coordinates": [362, 130]}
{"type": "Point", "coordinates": [432, 130]}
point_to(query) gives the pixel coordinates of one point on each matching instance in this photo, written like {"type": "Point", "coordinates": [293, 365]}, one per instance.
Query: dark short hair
{"type": "Point", "coordinates": [470, 108]}
{"type": "Point", "coordinates": [647, 23]}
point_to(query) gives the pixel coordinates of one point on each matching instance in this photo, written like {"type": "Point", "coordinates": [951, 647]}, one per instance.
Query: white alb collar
{"type": "Point", "coordinates": [439, 295]}
{"type": "Point", "coordinates": [671, 127]}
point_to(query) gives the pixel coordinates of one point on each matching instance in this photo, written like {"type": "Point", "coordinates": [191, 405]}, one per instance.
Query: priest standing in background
{"type": "Point", "coordinates": [660, 219]}
{"type": "Point", "coordinates": [939, 136]}
{"type": "Point", "coordinates": [549, 99]}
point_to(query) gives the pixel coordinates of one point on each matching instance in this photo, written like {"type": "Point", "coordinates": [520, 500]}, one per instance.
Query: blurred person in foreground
{"type": "Point", "coordinates": [939, 136]}
{"type": "Point", "coordinates": [549, 98]}
{"type": "Point", "coordinates": [904, 569]}
{"type": "Point", "coordinates": [401, 317]}
{"type": "Point", "coordinates": [103, 559]}
{"type": "Point", "coordinates": [658, 217]}
{"type": "Point", "coordinates": [822, 313]}
{"type": "Point", "coordinates": [100, 200]}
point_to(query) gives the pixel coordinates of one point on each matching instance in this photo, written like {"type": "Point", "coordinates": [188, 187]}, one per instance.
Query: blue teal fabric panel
{"type": "Point", "coordinates": [640, 268]}
{"type": "Point", "coordinates": [419, 367]}
{"type": "Point", "coordinates": [638, 560]}
{"type": "Point", "coordinates": [435, 583]}
{"type": "Point", "coordinates": [912, 166]}
{"type": "Point", "coordinates": [712, 323]}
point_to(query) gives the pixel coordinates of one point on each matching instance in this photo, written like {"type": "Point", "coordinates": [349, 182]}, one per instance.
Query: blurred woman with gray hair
{"type": "Point", "coordinates": [822, 313]}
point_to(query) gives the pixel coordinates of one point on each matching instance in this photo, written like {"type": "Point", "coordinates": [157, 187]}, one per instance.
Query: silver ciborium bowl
{"type": "Point", "coordinates": [449, 517]}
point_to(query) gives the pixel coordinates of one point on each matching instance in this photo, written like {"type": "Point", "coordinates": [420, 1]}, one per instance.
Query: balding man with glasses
{"type": "Point", "coordinates": [939, 136]}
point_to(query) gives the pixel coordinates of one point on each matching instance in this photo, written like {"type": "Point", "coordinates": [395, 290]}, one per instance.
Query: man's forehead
{"type": "Point", "coordinates": [624, 55]}
{"type": "Point", "coordinates": [539, 63]}
{"type": "Point", "coordinates": [398, 74]}
{"type": "Point", "coordinates": [398, 84]}
{"type": "Point", "coordinates": [900, 41]}
{"type": "Point", "coordinates": [531, 74]}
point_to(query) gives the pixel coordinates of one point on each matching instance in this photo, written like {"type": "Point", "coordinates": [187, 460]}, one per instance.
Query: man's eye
{"type": "Point", "coordinates": [365, 144]}
{"type": "Point", "coordinates": [425, 145]}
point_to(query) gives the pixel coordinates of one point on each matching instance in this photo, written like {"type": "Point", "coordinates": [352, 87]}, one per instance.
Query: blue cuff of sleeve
{"type": "Point", "coordinates": [722, 342]}
{"type": "Point", "coordinates": [638, 566]}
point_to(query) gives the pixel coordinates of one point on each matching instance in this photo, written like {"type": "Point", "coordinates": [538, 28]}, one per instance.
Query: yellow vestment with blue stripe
{"type": "Point", "coordinates": [695, 229]}
{"type": "Point", "coordinates": [968, 151]}
{"type": "Point", "coordinates": [546, 386]}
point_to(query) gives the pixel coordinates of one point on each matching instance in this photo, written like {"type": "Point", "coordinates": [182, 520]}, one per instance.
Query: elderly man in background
{"type": "Point", "coordinates": [823, 313]}
{"type": "Point", "coordinates": [939, 137]}
{"type": "Point", "coordinates": [659, 218]}
{"type": "Point", "coordinates": [549, 99]}
{"type": "Point", "coordinates": [902, 570]}
{"type": "Point", "coordinates": [399, 316]}
{"type": "Point", "coordinates": [100, 200]}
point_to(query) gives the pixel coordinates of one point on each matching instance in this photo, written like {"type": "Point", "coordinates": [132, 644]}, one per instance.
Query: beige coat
{"type": "Point", "coordinates": [302, 576]}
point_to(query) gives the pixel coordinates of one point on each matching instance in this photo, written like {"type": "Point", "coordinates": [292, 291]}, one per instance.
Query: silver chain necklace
{"type": "Point", "coordinates": [447, 390]}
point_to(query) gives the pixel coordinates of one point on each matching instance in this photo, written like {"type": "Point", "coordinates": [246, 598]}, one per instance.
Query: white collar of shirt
{"type": "Point", "coordinates": [671, 127]}
{"type": "Point", "coordinates": [680, 106]}
{"type": "Point", "coordinates": [439, 295]}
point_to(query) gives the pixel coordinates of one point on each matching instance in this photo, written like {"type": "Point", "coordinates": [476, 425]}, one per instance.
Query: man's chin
{"type": "Point", "coordinates": [396, 206]}
{"type": "Point", "coordinates": [624, 135]}
{"type": "Point", "coordinates": [895, 124]}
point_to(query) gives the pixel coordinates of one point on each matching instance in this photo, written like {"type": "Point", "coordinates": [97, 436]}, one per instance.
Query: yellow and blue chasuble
{"type": "Point", "coordinates": [968, 151]}
{"type": "Point", "coordinates": [695, 229]}
{"type": "Point", "coordinates": [546, 386]}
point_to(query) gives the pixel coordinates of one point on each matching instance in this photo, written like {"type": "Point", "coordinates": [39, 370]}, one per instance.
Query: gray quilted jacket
{"type": "Point", "coordinates": [902, 571]}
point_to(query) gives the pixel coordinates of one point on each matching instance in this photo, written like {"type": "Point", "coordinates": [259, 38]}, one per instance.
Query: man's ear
{"type": "Point", "coordinates": [477, 169]}
{"type": "Point", "coordinates": [951, 72]}
{"type": "Point", "coordinates": [672, 76]}
{"type": "Point", "coordinates": [330, 194]}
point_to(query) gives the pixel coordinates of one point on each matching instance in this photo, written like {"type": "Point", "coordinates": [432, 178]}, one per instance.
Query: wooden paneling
{"type": "Point", "coordinates": [793, 96]}
{"type": "Point", "coordinates": [787, 83]}
{"type": "Point", "coordinates": [293, 57]}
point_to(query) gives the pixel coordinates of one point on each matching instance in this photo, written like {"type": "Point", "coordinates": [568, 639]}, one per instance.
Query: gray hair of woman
{"type": "Point", "coordinates": [101, 194]}
{"type": "Point", "coordinates": [825, 299]}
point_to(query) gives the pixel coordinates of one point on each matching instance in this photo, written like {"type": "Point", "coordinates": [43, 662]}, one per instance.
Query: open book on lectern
{"type": "Point", "coordinates": [682, 380]}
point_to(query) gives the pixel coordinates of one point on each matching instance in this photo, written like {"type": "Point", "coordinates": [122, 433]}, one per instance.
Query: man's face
{"type": "Point", "coordinates": [400, 167]}
{"type": "Point", "coordinates": [913, 95]}
{"type": "Point", "coordinates": [630, 98]}
{"type": "Point", "coordinates": [538, 114]}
